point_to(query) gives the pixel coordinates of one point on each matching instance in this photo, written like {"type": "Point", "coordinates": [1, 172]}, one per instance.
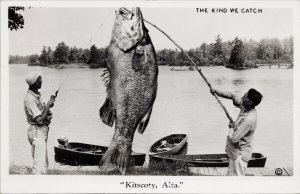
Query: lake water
{"type": "Point", "coordinates": [183, 105]}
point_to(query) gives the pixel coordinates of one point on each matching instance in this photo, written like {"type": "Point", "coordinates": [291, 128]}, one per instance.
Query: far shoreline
{"type": "Point", "coordinates": [172, 67]}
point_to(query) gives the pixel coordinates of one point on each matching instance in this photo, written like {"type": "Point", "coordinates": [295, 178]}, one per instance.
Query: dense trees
{"type": "Point", "coordinates": [61, 53]}
{"type": "Point", "coordinates": [237, 56]}
{"type": "Point", "coordinates": [33, 59]}
{"type": "Point", "coordinates": [218, 51]}
{"type": "Point", "coordinates": [50, 59]}
{"type": "Point", "coordinates": [44, 56]}
{"type": "Point", "coordinates": [17, 59]}
{"type": "Point", "coordinates": [15, 19]}
{"type": "Point", "coordinates": [99, 57]}
{"type": "Point", "coordinates": [236, 53]}
{"type": "Point", "coordinates": [95, 55]}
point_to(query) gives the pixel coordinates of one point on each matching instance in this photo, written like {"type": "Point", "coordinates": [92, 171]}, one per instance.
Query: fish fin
{"type": "Point", "coordinates": [117, 155]}
{"type": "Point", "coordinates": [106, 79]}
{"type": "Point", "coordinates": [107, 112]}
{"type": "Point", "coordinates": [144, 122]}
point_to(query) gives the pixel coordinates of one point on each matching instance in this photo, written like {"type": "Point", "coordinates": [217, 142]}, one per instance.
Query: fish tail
{"type": "Point", "coordinates": [144, 122]}
{"type": "Point", "coordinates": [107, 112]}
{"type": "Point", "coordinates": [117, 155]}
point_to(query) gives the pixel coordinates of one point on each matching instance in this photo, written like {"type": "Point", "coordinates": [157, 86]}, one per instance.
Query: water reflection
{"type": "Point", "coordinates": [238, 81]}
{"type": "Point", "coordinates": [220, 81]}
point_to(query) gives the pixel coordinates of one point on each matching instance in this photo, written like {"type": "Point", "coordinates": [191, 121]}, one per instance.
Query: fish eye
{"type": "Point", "coordinates": [121, 11]}
{"type": "Point", "coordinates": [124, 11]}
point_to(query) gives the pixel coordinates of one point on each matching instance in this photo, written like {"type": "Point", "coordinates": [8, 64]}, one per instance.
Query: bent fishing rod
{"type": "Point", "coordinates": [191, 60]}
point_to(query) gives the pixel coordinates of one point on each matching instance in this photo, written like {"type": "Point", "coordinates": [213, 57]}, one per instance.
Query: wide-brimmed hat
{"type": "Point", "coordinates": [32, 77]}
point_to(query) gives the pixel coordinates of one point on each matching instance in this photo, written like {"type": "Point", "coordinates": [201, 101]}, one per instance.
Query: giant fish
{"type": "Point", "coordinates": [131, 81]}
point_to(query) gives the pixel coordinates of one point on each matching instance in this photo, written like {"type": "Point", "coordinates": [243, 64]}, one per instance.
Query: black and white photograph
{"type": "Point", "coordinates": [149, 96]}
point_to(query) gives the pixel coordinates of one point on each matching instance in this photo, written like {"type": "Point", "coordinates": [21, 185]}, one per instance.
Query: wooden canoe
{"type": "Point", "coordinates": [75, 153]}
{"type": "Point", "coordinates": [171, 144]}
{"type": "Point", "coordinates": [207, 160]}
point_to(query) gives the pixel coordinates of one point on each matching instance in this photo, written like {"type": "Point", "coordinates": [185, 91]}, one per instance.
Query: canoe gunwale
{"type": "Point", "coordinates": [90, 153]}
{"type": "Point", "coordinates": [70, 156]}
{"type": "Point", "coordinates": [195, 160]}
{"type": "Point", "coordinates": [174, 150]}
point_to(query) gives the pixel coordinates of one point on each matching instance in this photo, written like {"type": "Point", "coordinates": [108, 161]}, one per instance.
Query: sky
{"type": "Point", "coordinates": [46, 26]}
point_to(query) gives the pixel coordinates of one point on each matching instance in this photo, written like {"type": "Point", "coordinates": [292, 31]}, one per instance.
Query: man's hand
{"type": "Point", "coordinates": [231, 124]}
{"type": "Point", "coordinates": [50, 102]}
{"type": "Point", "coordinates": [55, 95]}
{"type": "Point", "coordinates": [213, 91]}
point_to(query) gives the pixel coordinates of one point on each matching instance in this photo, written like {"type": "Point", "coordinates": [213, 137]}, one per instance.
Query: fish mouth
{"type": "Point", "coordinates": [130, 13]}
{"type": "Point", "coordinates": [124, 11]}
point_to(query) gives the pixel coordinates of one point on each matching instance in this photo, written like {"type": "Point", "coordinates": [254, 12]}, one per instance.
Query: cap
{"type": "Point", "coordinates": [32, 77]}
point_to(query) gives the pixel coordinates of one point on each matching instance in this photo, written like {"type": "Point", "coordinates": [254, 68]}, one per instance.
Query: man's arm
{"type": "Point", "coordinates": [40, 119]}
{"type": "Point", "coordinates": [227, 95]}
{"type": "Point", "coordinates": [238, 132]}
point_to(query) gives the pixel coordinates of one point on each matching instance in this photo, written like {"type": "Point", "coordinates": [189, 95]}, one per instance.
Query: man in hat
{"type": "Point", "coordinates": [241, 132]}
{"type": "Point", "coordinates": [39, 117]}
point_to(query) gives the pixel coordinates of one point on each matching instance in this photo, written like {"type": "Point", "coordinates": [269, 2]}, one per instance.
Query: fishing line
{"type": "Point", "coordinates": [68, 74]}
{"type": "Point", "coordinates": [191, 60]}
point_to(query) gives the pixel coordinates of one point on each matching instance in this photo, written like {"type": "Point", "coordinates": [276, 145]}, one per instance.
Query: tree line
{"type": "Point", "coordinates": [63, 54]}
{"type": "Point", "coordinates": [237, 52]}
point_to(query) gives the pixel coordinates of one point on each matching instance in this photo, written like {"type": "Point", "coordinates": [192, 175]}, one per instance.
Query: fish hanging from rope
{"type": "Point", "coordinates": [131, 81]}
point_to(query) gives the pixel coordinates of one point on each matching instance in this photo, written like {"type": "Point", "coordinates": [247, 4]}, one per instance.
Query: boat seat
{"type": "Point", "coordinates": [166, 145]}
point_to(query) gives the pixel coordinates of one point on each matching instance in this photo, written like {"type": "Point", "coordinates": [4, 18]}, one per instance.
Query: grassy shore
{"type": "Point", "coordinates": [176, 169]}
{"type": "Point", "coordinates": [157, 169]}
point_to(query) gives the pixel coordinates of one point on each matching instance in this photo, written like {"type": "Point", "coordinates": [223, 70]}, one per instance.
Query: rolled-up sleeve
{"type": "Point", "coordinates": [33, 109]}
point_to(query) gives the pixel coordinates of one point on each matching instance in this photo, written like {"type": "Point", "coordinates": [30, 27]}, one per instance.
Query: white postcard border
{"type": "Point", "coordinates": [191, 184]}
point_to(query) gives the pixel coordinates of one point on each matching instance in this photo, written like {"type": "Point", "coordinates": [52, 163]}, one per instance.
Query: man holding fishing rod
{"type": "Point", "coordinates": [241, 132]}
{"type": "Point", "coordinates": [240, 135]}
{"type": "Point", "coordinates": [39, 117]}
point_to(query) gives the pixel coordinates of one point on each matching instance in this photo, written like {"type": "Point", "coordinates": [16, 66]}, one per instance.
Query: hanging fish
{"type": "Point", "coordinates": [131, 81]}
